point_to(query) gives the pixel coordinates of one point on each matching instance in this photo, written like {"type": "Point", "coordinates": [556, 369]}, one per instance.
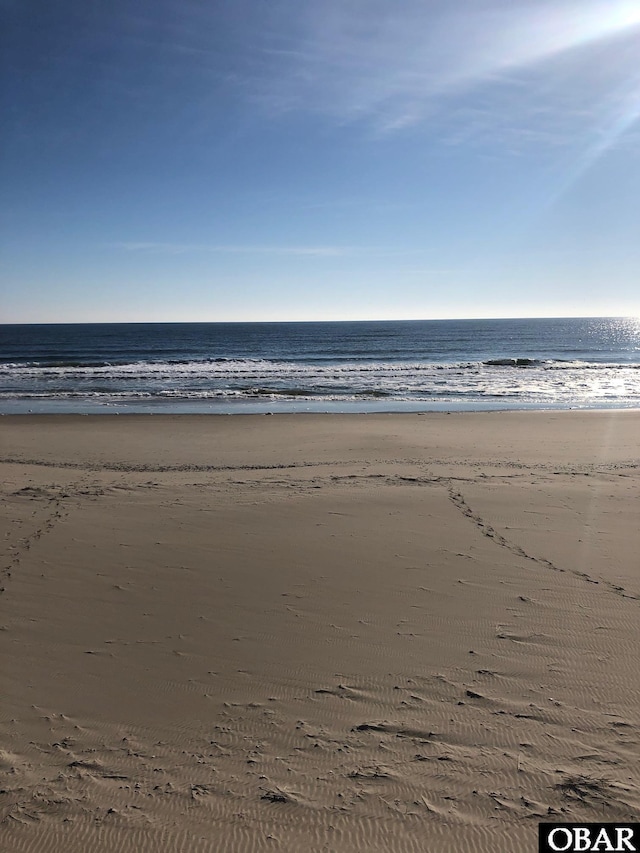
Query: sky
{"type": "Point", "coordinates": [216, 160]}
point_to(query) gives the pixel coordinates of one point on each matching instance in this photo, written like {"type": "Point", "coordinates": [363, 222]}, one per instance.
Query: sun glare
{"type": "Point", "coordinates": [630, 15]}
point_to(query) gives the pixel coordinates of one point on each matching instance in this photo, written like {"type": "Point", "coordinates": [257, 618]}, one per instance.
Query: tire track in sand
{"type": "Point", "coordinates": [54, 508]}
{"type": "Point", "coordinates": [458, 500]}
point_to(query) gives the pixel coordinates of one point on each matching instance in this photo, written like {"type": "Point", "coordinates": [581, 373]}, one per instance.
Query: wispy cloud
{"type": "Point", "coordinates": [374, 60]}
{"type": "Point", "coordinates": [538, 72]}
{"type": "Point", "coordinates": [168, 248]}
{"type": "Point", "coordinates": [187, 248]}
{"type": "Point", "coordinates": [508, 74]}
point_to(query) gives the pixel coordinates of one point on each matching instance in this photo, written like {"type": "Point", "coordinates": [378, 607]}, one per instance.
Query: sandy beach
{"type": "Point", "coordinates": [317, 633]}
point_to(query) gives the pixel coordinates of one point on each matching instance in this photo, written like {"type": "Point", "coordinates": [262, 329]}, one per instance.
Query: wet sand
{"type": "Point", "coordinates": [317, 633]}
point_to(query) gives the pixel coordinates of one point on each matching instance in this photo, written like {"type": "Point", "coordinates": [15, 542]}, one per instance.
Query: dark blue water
{"type": "Point", "coordinates": [321, 366]}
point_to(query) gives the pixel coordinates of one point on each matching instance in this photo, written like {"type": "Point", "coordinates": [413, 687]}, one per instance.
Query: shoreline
{"type": "Point", "coordinates": [277, 407]}
{"type": "Point", "coordinates": [382, 632]}
{"type": "Point", "coordinates": [425, 413]}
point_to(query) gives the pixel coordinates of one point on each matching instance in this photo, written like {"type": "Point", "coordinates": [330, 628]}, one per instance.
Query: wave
{"type": "Point", "coordinates": [229, 365]}
{"type": "Point", "coordinates": [220, 395]}
{"type": "Point", "coordinates": [513, 362]}
{"type": "Point", "coordinates": [57, 364]}
{"type": "Point", "coordinates": [543, 382]}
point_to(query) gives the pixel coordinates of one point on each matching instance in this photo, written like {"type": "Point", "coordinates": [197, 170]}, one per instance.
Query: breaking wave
{"type": "Point", "coordinates": [547, 382]}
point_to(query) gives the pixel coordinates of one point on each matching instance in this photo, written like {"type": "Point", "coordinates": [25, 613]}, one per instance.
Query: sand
{"type": "Point", "coordinates": [317, 633]}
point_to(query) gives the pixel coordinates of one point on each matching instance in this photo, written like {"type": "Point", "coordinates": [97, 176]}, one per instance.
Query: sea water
{"type": "Point", "coordinates": [440, 365]}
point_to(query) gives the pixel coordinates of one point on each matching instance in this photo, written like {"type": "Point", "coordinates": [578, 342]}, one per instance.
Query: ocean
{"type": "Point", "coordinates": [431, 365]}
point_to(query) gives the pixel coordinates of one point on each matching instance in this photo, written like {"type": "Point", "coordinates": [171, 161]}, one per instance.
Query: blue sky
{"type": "Point", "coordinates": [343, 159]}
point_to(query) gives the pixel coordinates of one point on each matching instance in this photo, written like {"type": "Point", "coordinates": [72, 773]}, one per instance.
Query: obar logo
{"type": "Point", "coordinates": [588, 837]}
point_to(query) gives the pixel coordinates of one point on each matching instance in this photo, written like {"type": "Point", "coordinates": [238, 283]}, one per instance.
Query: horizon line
{"type": "Point", "coordinates": [630, 316]}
